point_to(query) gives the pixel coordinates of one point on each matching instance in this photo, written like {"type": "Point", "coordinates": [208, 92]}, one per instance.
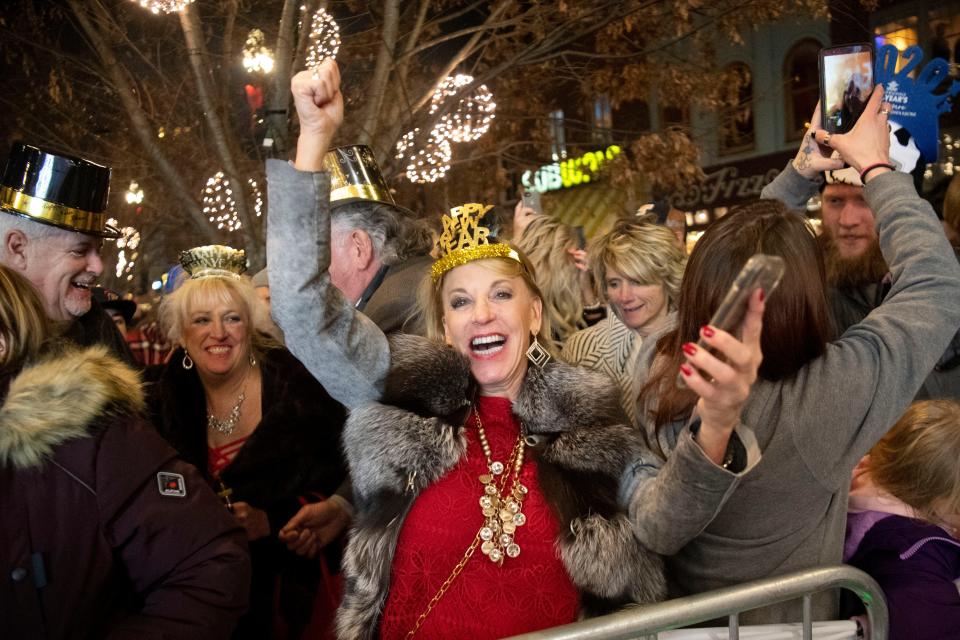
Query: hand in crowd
{"type": "Point", "coordinates": [581, 261]}
{"type": "Point", "coordinates": [254, 520]}
{"type": "Point", "coordinates": [868, 143]}
{"type": "Point", "coordinates": [724, 390]}
{"type": "Point", "coordinates": [315, 526]}
{"type": "Point", "coordinates": [810, 160]}
{"type": "Point", "coordinates": [522, 216]}
{"type": "Point", "coordinates": [319, 103]}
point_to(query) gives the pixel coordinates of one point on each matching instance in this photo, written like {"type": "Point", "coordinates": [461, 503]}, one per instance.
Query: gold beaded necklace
{"type": "Point", "coordinates": [501, 511]}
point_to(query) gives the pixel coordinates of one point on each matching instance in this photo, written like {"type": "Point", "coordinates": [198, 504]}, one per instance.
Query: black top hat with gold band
{"type": "Point", "coordinates": [464, 240]}
{"type": "Point", "coordinates": [63, 191]}
{"type": "Point", "coordinates": [214, 260]}
{"type": "Point", "coordinates": [355, 177]}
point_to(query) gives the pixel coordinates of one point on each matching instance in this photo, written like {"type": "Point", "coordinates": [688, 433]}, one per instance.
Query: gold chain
{"type": "Point", "coordinates": [457, 570]}
{"type": "Point", "coordinates": [446, 585]}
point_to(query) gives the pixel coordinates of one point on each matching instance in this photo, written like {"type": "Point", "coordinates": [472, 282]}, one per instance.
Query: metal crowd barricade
{"type": "Point", "coordinates": [648, 620]}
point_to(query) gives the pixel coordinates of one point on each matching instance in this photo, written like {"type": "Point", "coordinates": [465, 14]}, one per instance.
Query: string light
{"type": "Point", "coordinates": [134, 194]}
{"type": "Point", "coordinates": [129, 240]}
{"type": "Point", "coordinates": [430, 162]}
{"type": "Point", "coordinates": [473, 114]}
{"type": "Point", "coordinates": [324, 40]}
{"type": "Point", "coordinates": [219, 205]}
{"type": "Point", "coordinates": [164, 6]}
{"type": "Point", "coordinates": [257, 57]}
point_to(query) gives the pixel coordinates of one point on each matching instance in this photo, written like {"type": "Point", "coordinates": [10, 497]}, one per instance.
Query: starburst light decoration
{"type": "Point", "coordinates": [257, 57]}
{"type": "Point", "coordinates": [472, 116]}
{"type": "Point", "coordinates": [219, 205]}
{"type": "Point", "coordinates": [128, 241]}
{"type": "Point", "coordinates": [324, 39]}
{"type": "Point", "coordinates": [427, 160]}
{"type": "Point", "coordinates": [163, 6]}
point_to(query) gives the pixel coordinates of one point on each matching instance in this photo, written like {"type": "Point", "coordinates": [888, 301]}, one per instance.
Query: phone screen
{"type": "Point", "coordinates": [846, 81]}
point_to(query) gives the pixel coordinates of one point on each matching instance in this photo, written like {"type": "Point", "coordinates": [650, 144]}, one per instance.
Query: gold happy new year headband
{"type": "Point", "coordinates": [464, 240]}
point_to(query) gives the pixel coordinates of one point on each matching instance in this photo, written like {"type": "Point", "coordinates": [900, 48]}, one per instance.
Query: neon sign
{"type": "Point", "coordinates": [569, 173]}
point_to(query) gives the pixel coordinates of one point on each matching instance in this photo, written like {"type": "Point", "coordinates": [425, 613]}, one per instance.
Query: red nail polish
{"type": "Point", "coordinates": [763, 295]}
{"type": "Point", "coordinates": [708, 331]}
{"type": "Point", "coordinates": [686, 370]}
{"type": "Point", "coordinates": [689, 348]}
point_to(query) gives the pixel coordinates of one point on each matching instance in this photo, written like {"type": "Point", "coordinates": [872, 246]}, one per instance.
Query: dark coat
{"type": "Point", "coordinates": [392, 307]}
{"type": "Point", "coordinates": [89, 545]}
{"type": "Point", "coordinates": [583, 444]}
{"type": "Point", "coordinates": [293, 454]}
{"type": "Point", "coordinates": [917, 565]}
{"type": "Point", "coordinates": [97, 327]}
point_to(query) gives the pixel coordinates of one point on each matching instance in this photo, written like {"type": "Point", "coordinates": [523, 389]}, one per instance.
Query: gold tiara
{"type": "Point", "coordinates": [464, 240]}
{"type": "Point", "coordinates": [214, 260]}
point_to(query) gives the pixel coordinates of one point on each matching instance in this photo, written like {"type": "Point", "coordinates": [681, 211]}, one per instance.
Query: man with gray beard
{"type": "Point", "coordinates": [52, 226]}
{"type": "Point", "coordinates": [857, 275]}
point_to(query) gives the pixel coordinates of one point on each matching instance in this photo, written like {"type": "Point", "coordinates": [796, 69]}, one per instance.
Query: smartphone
{"type": "Point", "coordinates": [846, 82]}
{"type": "Point", "coordinates": [531, 200]}
{"type": "Point", "coordinates": [760, 272]}
{"type": "Point", "coordinates": [581, 237]}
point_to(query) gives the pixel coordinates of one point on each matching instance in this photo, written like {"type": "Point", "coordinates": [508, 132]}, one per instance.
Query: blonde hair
{"type": "Point", "coordinates": [175, 309]}
{"type": "Point", "coordinates": [24, 325]}
{"type": "Point", "coordinates": [642, 251]}
{"type": "Point", "coordinates": [917, 461]}
{"type": "Point", "coordinates": [546, 242]}
{"type": "Point", "coordinates": [430, 301]}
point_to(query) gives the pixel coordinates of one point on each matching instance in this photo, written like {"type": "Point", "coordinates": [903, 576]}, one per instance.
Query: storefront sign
{"type": "Point", "coordinates": [569, 173]}
{"type": "Point", "coordinates": [732, 183]}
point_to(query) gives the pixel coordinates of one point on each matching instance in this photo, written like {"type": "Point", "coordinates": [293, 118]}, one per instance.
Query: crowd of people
{"type": "Point", "coordinates": [392, 432]}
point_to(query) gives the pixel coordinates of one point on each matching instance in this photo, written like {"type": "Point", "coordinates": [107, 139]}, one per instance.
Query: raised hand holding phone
{"type": "Point", "coordinates": [722, 366]}
{"type": "Point", "coordinates": [846, 80]}
{"type": "Point", "coordinates": [868, 143]}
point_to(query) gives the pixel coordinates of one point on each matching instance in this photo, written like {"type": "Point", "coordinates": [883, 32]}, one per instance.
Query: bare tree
{"type": "Point", "coordinates": [165, 101]}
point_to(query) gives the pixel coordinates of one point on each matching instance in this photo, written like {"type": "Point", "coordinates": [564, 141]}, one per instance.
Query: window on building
{"type": "Point", "coordinates": [736, 122]}
{"type": "Point", "coordinates": [558, 137]}
{"type": "Point", "coordinates": [602, 129]}
{"type": "Point", "coordinates": [801, 76]}
{"type": "Point", "coordinates": [672, 116]}
{"type": "Point", "coordinates": [899, 33]}
{"type": "Point", "coordinates": [631, 118]}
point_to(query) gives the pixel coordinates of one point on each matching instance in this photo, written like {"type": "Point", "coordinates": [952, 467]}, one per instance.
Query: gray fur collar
{"type": "Point", "coordinates": [583, 441]}
{"type": "Point", "coordinates": [432, 379]}
{"type": "Point", "coordinates": [58, 398]}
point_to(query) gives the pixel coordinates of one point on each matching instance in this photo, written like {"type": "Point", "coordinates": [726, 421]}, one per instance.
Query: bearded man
{"type": "Point", "coordinates": [857, 275]}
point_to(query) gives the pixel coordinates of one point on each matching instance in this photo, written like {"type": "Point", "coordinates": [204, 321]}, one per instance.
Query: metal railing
{"type": "Point", "coordinates": [648, 620]}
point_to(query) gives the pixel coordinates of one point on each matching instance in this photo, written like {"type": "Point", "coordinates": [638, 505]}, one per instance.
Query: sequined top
{"type": "Point", "coordinates": [526, 593]}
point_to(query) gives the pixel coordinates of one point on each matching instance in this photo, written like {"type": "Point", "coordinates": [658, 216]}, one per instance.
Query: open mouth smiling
{"type": "Point", "coordinates": [487, 345]}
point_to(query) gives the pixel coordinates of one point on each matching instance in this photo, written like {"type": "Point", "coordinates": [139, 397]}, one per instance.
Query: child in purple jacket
{"type": "Point", "coordinates": [904, 517]}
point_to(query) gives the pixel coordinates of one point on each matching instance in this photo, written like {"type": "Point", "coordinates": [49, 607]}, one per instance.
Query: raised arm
{"type": "Point", "coordinates": [343, 349]}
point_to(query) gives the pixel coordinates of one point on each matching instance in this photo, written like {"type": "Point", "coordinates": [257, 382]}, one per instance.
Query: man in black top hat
{"type": "Point", "coordinates": [52, 226]}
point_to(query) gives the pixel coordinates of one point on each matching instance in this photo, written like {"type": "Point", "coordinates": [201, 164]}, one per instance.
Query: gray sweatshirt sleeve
{"type": "Point", "coordinates": [790, 188]}
{"type": "Point", "coordinates": [671, 502]}
{"type": "Point", "coordinates": [840, 404]}
{"type": "Point", "coordinates": [343, 349]}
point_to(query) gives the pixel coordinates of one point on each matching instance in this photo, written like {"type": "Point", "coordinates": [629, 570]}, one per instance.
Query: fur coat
{"type": "Point", "coordinates": [293, 455]}
{"type": "Point", "coordinates": [94, 542]}
{"type": "Point", "coordinates": [575, 428]}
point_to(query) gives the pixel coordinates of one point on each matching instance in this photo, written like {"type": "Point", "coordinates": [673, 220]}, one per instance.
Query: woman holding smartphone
{"type": "Point", "coordinates": [818, 405]}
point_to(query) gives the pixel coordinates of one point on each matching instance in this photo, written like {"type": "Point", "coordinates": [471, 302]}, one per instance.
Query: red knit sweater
{"type": "Point", "coordinates": [527, 593]}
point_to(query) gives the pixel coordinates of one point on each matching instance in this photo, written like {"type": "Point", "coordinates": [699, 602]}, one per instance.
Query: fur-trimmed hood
{"type": "Point", "coordinates": [58, 398]}
{"type": "Point", "coordinates": [581, 438]}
